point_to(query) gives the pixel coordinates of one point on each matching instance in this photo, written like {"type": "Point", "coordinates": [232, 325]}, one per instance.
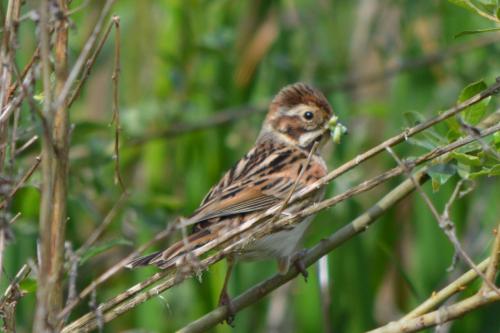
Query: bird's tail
{"type": "Point", "coordinates": [168, 258]}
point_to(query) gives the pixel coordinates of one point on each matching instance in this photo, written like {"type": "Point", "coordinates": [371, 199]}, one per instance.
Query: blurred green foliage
{"type": "Point", "coordinates": [185, 61]}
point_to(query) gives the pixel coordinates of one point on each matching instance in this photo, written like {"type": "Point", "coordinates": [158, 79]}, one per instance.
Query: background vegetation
{"type": "Point", "coordinates": [186, 64]}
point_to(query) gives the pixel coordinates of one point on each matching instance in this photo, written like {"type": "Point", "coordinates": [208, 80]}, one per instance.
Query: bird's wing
{"type": "Point", "coordinates": [237, 200]}
{"type": "Point", "coordinates": [251, 186]}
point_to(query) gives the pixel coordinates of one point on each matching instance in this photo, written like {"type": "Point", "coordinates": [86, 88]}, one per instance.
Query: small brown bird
{"type": "Point", "coordinates": [297, 120]}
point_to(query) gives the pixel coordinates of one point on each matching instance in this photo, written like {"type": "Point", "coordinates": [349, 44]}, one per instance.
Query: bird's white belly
{"type": "Point", "coordinates": [276, 245]}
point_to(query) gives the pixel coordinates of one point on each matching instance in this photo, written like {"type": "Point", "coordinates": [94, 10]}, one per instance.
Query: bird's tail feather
{"type": "Point", "coordinates": [167, 258]}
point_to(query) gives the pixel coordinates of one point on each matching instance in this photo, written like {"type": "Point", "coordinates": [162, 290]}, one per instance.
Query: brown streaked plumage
{"type": "Point", "coordinates": [298, 117]}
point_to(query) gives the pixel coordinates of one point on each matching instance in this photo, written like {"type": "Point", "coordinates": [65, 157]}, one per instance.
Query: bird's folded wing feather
{"type": "Point", "coordinates": [238, 199]}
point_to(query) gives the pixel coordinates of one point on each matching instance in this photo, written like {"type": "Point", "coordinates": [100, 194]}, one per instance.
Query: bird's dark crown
{"type": "Point", "coordinates": [301, 93]}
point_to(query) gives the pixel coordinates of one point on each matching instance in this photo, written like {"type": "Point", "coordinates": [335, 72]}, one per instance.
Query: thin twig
{"type": "Point", "coordinates": [27, 68]}
{"type": "Point", "coordinates": [116, 109]}
{"type": "Point", "coordinates": [26, 145]}
{"type": "Point", "coordinates": [104, 225]}
{"type": "Point", "coordinates": [220, 118]}
{"type": "Point", "coordinates": [21, 182]}
{"type": "Point", "coordinates": [297, 180]}
{"type": "Point", "coordinates": [32, 103]}
{"type": "Point", "coordinates": [72, 259]}
{"type": "Point", "coordinates": [89, 64]}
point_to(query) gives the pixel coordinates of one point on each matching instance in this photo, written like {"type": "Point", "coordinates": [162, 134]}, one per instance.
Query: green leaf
{"type": "Point", "coordinates": [428, 139]}
{"type": "Point", "coordinates": [413, 118]}
{"type": "Point", "coordinates": [440, 174]}
{"type": "Point", "coordinates": [474, 113]}
{"type": "Point", "coordinates": [473, 32]}
{"type": "Point", "coordinates": [464, 170]}
{"type": "Point", "coordinates": [494, 171]}
{"type": "Point", "coordinates": [496, 138]}
{"type": "Point", "coordinates": [462, 3]}
{"type": "Point", "coordinates": [422, 143]}
{"type": "Point", "coordinates": [470, 6]}
{"type": "Point", "coordinates": [466, 159]}
{"type": "Point", "coordinates": [98, 249]}
{"type": "Point", "coordinates": [28, 285]}
{"type": "Point", "coordinates": [490, 172]}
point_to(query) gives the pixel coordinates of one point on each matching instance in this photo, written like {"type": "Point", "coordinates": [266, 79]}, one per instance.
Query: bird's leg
{"type": "Point", "coordinates": [298, 261]}
{"type": "Point", "coordinates": [224, 298]}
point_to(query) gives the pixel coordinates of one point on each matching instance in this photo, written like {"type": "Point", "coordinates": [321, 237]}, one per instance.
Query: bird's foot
{"type": "Point", "coordinates": [298, 262]}
{"type": "Point", "coordinates": [225, 299]}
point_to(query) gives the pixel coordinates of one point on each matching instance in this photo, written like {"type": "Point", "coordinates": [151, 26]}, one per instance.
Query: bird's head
{"type": "Point", "coordinates": [298, 115]}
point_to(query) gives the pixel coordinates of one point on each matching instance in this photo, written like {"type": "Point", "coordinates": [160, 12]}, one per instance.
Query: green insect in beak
{"type": "Point", "coordinates": [337, 130]}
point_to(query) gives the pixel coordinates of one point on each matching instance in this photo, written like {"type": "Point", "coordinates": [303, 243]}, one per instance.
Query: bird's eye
{"type": "Point", "coordinates": [308, 115]}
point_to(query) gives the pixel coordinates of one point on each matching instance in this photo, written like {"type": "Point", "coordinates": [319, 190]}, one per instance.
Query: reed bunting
{"type": "Point", "coordinates": [298, 120]}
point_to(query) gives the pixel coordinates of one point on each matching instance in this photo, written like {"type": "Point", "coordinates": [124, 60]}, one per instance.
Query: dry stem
{"type": "Point", "coordinates": [55, 166]}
